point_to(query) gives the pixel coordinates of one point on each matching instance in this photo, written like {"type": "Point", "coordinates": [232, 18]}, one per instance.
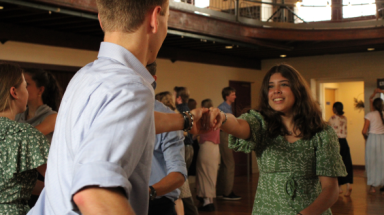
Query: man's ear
{"type": "Point", "coordinates": [13, 93]}
{"type": "Point", "coordinates": [101, 25]}
{"type": "Point", "coordinates": [155, 77]}
{"type": "Point", "coordinates": [154, 22]}
{"type": "Point", "coordinates": [41, 90]}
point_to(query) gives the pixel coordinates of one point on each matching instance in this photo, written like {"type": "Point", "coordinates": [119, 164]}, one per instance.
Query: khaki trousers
{"type": "Point", "coordinates": [207, 166]}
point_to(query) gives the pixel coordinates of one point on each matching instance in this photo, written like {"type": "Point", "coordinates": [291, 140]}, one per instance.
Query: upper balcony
{"type": "Point", "coordinates": [290, 14]}
{"type": "Point", "coordinates": [236, 33]}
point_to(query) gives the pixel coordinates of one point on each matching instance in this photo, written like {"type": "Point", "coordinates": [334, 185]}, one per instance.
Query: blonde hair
{"type": "Point", "coordinates": [168, 101]}
{"type": "Point", "coordinates": [10, 76]}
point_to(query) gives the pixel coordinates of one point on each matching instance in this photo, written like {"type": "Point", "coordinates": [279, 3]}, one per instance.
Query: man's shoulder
{"type": "Point", "coordinates": [222, 105]}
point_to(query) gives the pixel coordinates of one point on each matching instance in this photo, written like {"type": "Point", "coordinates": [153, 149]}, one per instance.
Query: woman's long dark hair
{"type": "Point", "coordinates": [378, 105]}
{"type": "Point", "coordinates": [338, 106]}
{"type": "Point", "coordinates": [53, 93]}
{"type": "Point", "coordinates": [307, 117]}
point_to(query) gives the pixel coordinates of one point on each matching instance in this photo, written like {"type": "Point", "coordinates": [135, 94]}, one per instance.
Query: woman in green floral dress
{"type": "Point", "coordinates": [297, 153]}
{"type": "Point", "coordinates": [23, 149]}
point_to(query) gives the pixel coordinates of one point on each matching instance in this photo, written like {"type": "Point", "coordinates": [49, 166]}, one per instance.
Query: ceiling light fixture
{"type": "Point", "coordinates": [298, 4]}
{"type": "Point", "coordinates": [283, 55]}
{"type": "Point", "coordinates": [228, 47]}
{"type": "Point", "coordinates": [371, 49]}
{"type": "Point", "coordinates": [1, 7]}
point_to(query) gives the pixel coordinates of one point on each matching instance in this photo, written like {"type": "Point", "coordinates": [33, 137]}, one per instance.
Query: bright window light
{"type": "Point", "coordinates": [314, 10]}
{"type": "Point", "coordinates": [202, 3]}
{"type": "Point", "coordinates": [359, 8]}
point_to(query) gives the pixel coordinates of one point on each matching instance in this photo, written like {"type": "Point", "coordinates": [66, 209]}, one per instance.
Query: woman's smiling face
{"type": "Point", "coordinates": [280, 95]}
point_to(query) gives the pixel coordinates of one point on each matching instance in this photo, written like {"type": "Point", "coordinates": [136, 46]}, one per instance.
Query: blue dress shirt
{"type": "Point", "coordinates": [168, 155]}
{"type": "Point", "coordinates": [104, 134]}
{"type": "Point", "coordinates": [225, 107]}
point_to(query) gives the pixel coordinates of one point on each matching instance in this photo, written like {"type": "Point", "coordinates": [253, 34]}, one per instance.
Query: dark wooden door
{"type": "Point", "coordinates": [241, 105]}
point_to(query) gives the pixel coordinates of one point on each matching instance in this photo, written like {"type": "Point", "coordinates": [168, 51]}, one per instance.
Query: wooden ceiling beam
{"type": "Point", "coordinates": [236, 31]}
{"type": "Point", "coordinates": [48, 37]}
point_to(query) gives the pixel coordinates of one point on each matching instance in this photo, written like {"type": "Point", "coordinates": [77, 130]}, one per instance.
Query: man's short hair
{"type": "Point", "coordinates": [125, 15]}
{"type": "Point", "coordinates": [227, 91]}
{"type": "Point", "coordinates": [192, 104]}
{"type": "Point", "coordinates": [152, 68]}
{"type": "Point", "coordinates": [183, 92]}
{"type": "Point", "coordinates": [206, 103]}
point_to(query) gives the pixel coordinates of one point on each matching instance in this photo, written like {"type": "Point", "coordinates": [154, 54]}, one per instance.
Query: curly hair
{"type": "Point", "coordinates": [307, 117]}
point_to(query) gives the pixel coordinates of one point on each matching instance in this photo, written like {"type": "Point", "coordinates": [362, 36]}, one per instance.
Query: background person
{"type": "Point", "coordinates": [207, 165]}
{"type": "Point", "coordinates": [44, 96]}
{"type": "Point", "coordinates": [168, 169]}
{"type": "Point", "coordinates": [226, 176]}
{"type": "Point", "coordinates": [339, 123]}
{"type": "Point", "coordinates": [23, 149]}
{"type": "Point", "coordinates": [373, 132]}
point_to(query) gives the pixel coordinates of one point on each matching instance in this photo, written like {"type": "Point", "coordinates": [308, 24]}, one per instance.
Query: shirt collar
{"type": "Point", "coordinates": [125, 57]}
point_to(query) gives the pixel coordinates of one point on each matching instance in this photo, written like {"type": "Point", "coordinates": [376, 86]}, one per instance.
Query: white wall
{"type": "Point", "coordinates": [203, 80]}
{"type": "Point", "coordinates": [32, 53]}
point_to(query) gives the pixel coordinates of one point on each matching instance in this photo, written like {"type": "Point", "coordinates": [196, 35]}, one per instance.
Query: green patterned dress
{"type": "Point", "coordinates": [22, 149]}
{"type": "Point", "coordinates": [289, 172]}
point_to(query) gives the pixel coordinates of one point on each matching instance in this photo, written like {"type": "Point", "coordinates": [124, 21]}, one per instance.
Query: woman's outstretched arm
{"type": "Point", "coordinates": [237, 127]}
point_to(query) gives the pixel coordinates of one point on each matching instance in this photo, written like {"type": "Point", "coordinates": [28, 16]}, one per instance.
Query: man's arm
{"type": "Point", "coordinates": [100, 201]}
{"type": "Point", "coordinates": [169, 183]}
{"type": "Point", "coordinates": [166, 122]}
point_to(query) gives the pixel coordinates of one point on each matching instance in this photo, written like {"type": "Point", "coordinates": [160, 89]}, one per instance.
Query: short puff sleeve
{"type": "Point", "coordinates": [27, 149]}
{"type": "Point", "coordinates": [257, 126]}
{"type": "Point", "coordinates": [328, 160]}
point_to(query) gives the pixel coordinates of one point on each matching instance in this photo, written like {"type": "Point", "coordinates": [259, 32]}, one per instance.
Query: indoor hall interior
{"type": "Point", "coordinates": [212, 45]}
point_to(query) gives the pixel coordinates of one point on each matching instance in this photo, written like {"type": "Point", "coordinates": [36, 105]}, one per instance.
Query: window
{"type": "Point", "coordinates": [314, 10]}
{"type": "Point", "coordinates": [356, 8]}
{"type": "Point", "coordinates": [202, 3]}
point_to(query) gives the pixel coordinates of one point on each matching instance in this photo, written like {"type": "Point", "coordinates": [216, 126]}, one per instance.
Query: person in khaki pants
{"type": "Point", "coordinates": [226, 175]}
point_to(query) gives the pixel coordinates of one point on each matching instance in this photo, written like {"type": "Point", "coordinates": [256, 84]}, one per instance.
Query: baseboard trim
{"type": "Point", "coordinates": [359, 167]}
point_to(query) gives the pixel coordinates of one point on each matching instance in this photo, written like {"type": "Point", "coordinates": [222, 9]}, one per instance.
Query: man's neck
{"type": "Point", "coordinates": [136, 43]}
{"type": "Point", "coordinates": [228, 102]}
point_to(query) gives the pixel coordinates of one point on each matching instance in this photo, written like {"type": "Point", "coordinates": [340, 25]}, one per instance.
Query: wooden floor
{"type": "Point", "coordinates": [360, 203]}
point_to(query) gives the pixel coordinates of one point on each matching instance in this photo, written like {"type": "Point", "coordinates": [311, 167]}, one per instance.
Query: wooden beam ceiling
{"type": "Point", "coordinates": [185, 21]}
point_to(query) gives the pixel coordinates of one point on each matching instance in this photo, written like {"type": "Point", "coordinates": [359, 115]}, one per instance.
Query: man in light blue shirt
{"type": "Point", "coordinates": [226, 175]}
{"type": "Point", "coordinates": [101, 152]}
{"type": "Point", "coordinates": [168, 170]}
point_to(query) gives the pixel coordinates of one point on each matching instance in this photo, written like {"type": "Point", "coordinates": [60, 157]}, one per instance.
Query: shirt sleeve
{"type": "Point", "coordinates": [368, 116]}
{"type": "Point", "coordinates": [328, 159]}
{"type": "Point", "coordinates": [28, 149]}
{"type": "Point", "coordinates": [122, 126]}
{"type": "Point", "coordinates": [256, 124]}
{"type": "Point", "coordinates": [34, 150]}
{"type": "Point", "coordinates": [173, 151]}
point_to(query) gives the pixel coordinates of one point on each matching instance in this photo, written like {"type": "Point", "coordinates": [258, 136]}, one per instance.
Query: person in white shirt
{"type": "Point", "coordinates": [339, 123]}
{"type": "Point", "coordinates": [373, 132]}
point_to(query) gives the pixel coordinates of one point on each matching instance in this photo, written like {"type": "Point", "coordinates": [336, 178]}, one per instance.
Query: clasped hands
{"type": "Point", "coordinates": [206, 120]}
